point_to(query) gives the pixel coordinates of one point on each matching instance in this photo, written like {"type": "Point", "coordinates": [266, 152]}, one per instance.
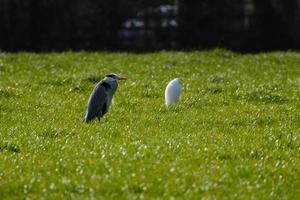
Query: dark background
{"type": "Point", "coordinates": [59, 25]}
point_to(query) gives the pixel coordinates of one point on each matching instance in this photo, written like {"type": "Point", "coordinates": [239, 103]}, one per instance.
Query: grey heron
{"type": "Point", "coordinates": [101, 97]}
{"type": "Point", "coordinates": [172, 92]}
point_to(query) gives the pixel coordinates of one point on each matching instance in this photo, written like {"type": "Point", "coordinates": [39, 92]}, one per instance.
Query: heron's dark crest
{"type": "Point", "coordinates": [112, 75]}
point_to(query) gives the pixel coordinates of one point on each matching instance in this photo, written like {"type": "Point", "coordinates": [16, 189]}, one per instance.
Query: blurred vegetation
{"type": "Point", "coordinates": [249, 25]}
{"type": "Point", "coordinates": [93, 24]}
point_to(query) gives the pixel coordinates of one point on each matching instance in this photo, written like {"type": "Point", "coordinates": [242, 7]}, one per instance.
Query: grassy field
{"type": "Point", "coordinates": [235, 133]}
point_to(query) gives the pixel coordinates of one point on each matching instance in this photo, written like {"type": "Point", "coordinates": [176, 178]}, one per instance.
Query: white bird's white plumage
{"type": "Point", "coordinates": [172, 92]}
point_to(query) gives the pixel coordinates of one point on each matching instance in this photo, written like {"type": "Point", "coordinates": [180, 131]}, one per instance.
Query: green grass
{"type": "Point", "coordinates": [235, 133]}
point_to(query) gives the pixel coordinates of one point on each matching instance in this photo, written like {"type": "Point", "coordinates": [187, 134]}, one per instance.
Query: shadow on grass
{"type": "Point", "coordinates": [58, 82]}
{"type": "Point", "coordinates": [93, 79]}
{"type": "Point", "coordinates": [55, 133]}
{"type": "Point", "coordinates": [9, 147]}
{"type": "Point", "coordinates": [7, 93]}
{"type": "Point", "coordinates": [266, 97]}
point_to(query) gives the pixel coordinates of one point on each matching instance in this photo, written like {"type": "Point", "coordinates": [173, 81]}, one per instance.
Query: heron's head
{"type": "Point", "coordinates": [115, 76]}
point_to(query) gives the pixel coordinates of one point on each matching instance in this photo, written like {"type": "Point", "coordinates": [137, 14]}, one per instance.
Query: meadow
{"type": "Point", "coordinates": [235, 134]}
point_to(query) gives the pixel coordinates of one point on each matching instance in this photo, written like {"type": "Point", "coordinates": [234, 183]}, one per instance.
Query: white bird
{"type": "Point", "coordinates": [172, 92]}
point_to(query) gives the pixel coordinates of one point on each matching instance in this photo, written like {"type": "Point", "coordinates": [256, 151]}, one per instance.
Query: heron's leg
{"type": "Point", "coordinates": [99, 116]}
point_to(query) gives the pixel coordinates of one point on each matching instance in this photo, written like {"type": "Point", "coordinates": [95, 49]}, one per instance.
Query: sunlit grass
{"type": "Point", "coordinates": [234, 134]}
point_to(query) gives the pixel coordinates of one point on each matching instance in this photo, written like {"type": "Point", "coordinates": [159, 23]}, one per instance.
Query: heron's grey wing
{"type": "Point", "coordinates": [97, 102]}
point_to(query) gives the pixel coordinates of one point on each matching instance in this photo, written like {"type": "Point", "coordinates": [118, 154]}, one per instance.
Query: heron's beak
{"type": "Point", "coordinates": [121, 78]}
